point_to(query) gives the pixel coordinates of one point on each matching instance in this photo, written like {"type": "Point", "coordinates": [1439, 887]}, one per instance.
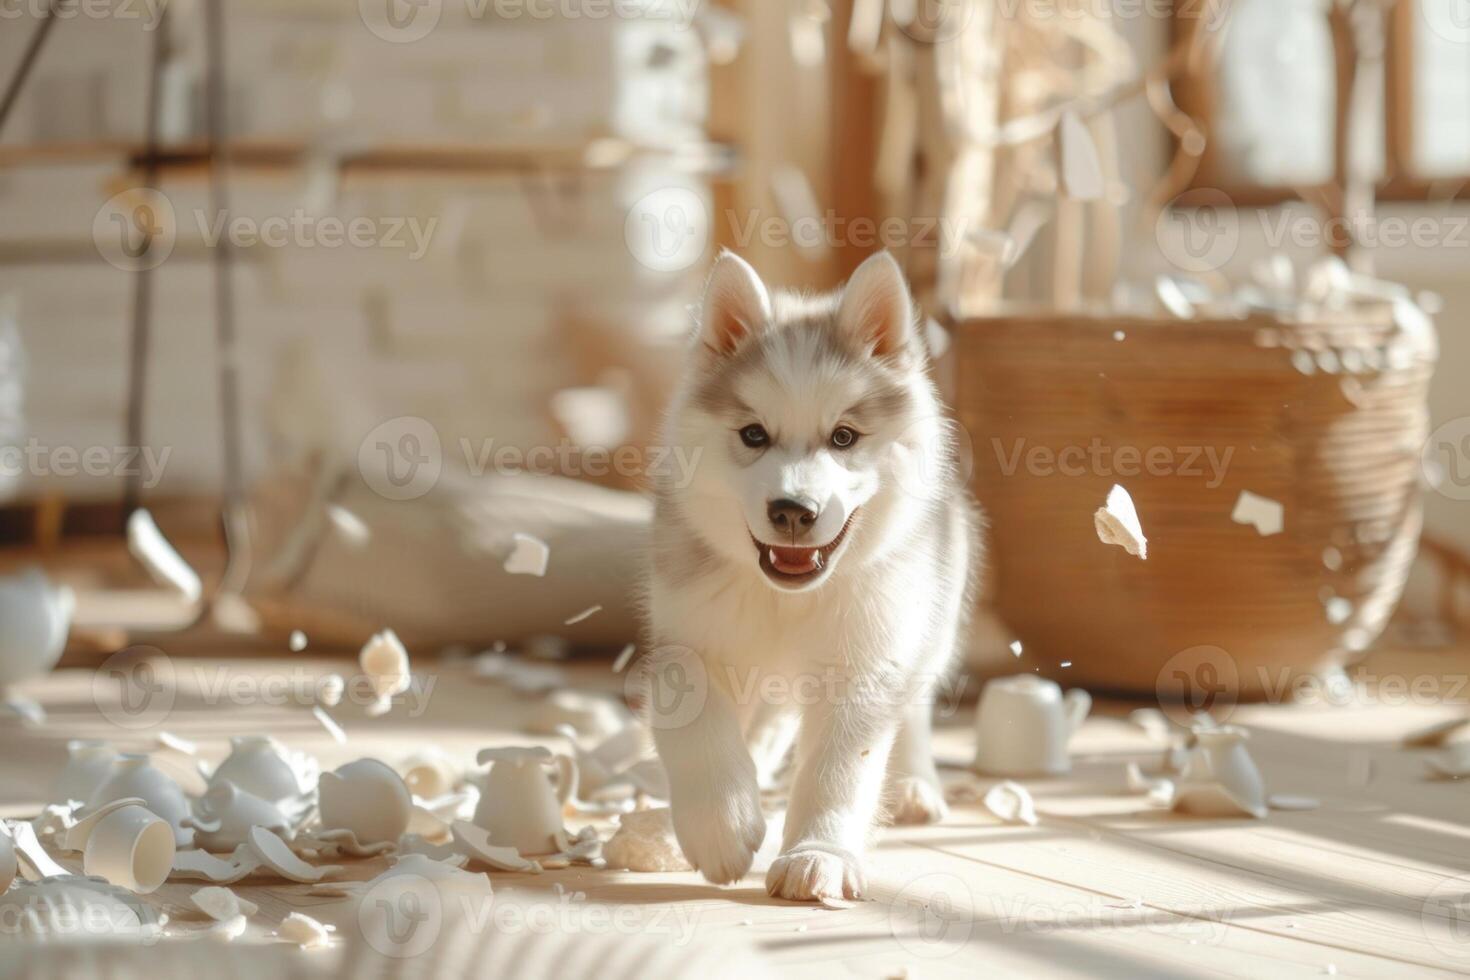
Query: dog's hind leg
{"type": "Point", "coordinates": [913, 792]}
{"type": "Point", "coordinates": [769, 734]}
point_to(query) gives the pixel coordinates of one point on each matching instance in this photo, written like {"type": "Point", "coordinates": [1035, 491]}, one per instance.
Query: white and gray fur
{"type": "Point", "coordinates": [843, 665]}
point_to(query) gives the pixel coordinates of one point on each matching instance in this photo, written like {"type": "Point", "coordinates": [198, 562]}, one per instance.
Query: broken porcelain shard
{"type": "Point", "coordinates": [163, 562]}
{"type": "Point", "coordinates": [202, 866]}
{"type": "Point", "coordinates": [1023, 725]}
{"type": "Point", "coordinates": [263, 767]}
{"type": "Point", "coordinates": [31, 858]}
{"type": "Point", "coordinates": [1011, 802]}
{"type": "Point", "coordinates": [366, 797]}
{"type": "Point", "coordinates": [384, 661]}
{"type": "Point", "coordinates": [88, 764]}
{"type": "Point", "coordinates": [519, 806]}
{"type": "Point", "coordinates": [225, 814]}
{"type": "Point", "coordinates": [645, 841]}
{"type": "Point", "coordinates": [305, 931]}
{"type": "Point", "coordinates": [221, 904]}
{"type": "Point", "coordinates": [35, 618]}
{"type": "Point", "coordinates": [1117, 523]}
{"type": "Point", "coordinates": [1267, 516]}
{"type": "Point", "coordinates": [474, 843]}
{"type": "Point", "coordinates": [133, 775]}
{"type": "Point", "coordinates": [430, 773]}
{"type": "Point", "coordinates": [131, 848]}
{"type": "Point", "coordinates": [528, 556]}
{"type": "Point", "coordinates": [276, 856]}
{"type": "Point", "coordinates": [1220, 779]}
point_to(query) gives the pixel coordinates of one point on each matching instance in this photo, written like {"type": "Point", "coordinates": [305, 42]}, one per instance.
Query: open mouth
{"type": "Point", "coordinates": [788, 565]}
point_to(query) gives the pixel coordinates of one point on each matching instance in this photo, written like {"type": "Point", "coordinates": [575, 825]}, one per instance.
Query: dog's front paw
{"type": "Point", "coordinates": [916, 800]}
{"type": "Point", "coordinates": [720, 829]}
{"type": "Point", "coordinates": [811, 872]}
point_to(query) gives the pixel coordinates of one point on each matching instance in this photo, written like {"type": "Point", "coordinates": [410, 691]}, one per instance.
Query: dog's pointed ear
{"type": "Point", "coordinates": [876, 310]}
{"type": "Point", "coordinates": [736, 305]}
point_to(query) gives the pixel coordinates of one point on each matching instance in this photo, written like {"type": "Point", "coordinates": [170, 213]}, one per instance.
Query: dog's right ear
{"type": "Point", "coordinates": [736, 305]}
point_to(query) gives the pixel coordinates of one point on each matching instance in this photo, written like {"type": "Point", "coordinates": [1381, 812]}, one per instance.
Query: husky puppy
{"type": "Point", "coordinates": [809, 579]}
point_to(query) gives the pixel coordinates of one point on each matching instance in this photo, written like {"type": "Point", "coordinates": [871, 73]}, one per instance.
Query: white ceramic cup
{"type": "Point", "coordinates": [132, 848]}
{"type": "Point", "coordinates": [1023, 726]}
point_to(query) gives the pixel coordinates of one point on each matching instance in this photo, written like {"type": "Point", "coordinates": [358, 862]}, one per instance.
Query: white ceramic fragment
{"type": "Point", "coordinates": [384, 660]}
{"type": "Point", "coordinates": [330, 688]}
{"type": "Point", "coordinates": [645, 841]}
{"type": "Point", "coordinates": [225, 815]}
{"type": "Point", "coordinates": [1139, 782]}
{"type": "Point", "coordinates": [585, 614]}
{"type": "Point", "coordinates": [76, 835]}
{"type": "Point", "coordinates": [55, 819]}
{"type": "Point", "coordinates": [31, 857]}
{"type": "Point", "coordinates": [329, 724]}
{"type": "Point", "coordinates": [71, 909]}
{"type": "Point", "coordinates": [519, 807]}
{"type": "Point", "coordinates": [305, 931]}
{"type": "Point", "coordinates": [529, 555]}
{"type": "Point", "coordinates": [1153, 722]}
{"type": "Point", "coordinates": [366, 797]}
{"type": "Point", "coordinates": [133, 775]}
{"type": "Point", "coordinates": [35, 618]}
{"type": "Point", "coordinates": [1023, 725]}
{"type": "Point", "coordinates": [474, 843]}
{"type": "Point", "coordinates": [625, 656]}
{"type": "Point", "coordinates": [1338, 610]}
{"type": "Point", "coordinates": [1016, 648]}
{"type": "Point", "coordinates": [131, 848]}
{"type": "Point", "coordinates": [430, 773]}
{"type": "Point", "coordinates": [277, 857]}
{"type": "Point", "coordinates": [1267, 516]}
{"type": "Point", "coordinates": [1011, 802]}
{"type": "Point", "coordinates": [227, 931]}
{"type": "Point", "coordinates": [200, 865]}
{"type": "Point", "coordinates": [221, 904]}
{"type": "Point", "coordinates": [169, 740]}
{"type": "Point", "coordinates": [1173, 297]}
{"type": "Point", "coordinates": [163, 562]}
{"type": "Point", "coordinates": [340, 843]}
{"type": "Point", "coordinates": [88, 764]}
{"type": "Point", "coordinates": [297, 642]}
{"type": "Point", "coordinates": [590, 715]}
{"type": "Point", "coordinates": [1117, 523]}
{"type": "Point", "coordinates": [1220, 779]}
{"type": "Point", "coordinates": [260, 765]}
{"type": "Point", "coordinates": [352, 528]}
{"type": "Point", "coordinates": [1287, 801]}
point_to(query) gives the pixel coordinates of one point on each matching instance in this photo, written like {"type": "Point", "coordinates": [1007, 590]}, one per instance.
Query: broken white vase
{"type": "Point", "coordinates": [1220, 779]}
{"type": "Point", "coordinates": [366, 797]}
{"type": "Point", "coordinates": [88, 764]}
{"type": "Point", "coordinates": [133, 775]}
{"type": "Point", "coordinates": [131, 848]}
{"type": "Point", "coordinates": [263, 767]}
{"type": "Point", "coordinates": [35, 617]}
{"type": "Point", "coordinates": [518, 805]}
{"type": "Point", "coordinates": [1023, 725]}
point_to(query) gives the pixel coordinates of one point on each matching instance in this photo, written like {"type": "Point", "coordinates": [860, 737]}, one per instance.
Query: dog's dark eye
{"type": "Point", "coordinates": [843, 437]}
{"type": "Point", "coordinates": [754, 436]}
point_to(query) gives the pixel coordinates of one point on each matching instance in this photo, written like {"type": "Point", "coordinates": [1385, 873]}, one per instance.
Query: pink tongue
{"type": "Point", "coordinates": [794, 561]}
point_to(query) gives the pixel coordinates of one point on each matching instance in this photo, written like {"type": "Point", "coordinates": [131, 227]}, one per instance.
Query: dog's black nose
{"type": "Point", "coordinates": [790, 515]}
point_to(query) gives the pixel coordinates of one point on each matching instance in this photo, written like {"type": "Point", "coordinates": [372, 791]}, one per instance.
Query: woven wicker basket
{"type": "Point", "coordinates": [1326, 418]}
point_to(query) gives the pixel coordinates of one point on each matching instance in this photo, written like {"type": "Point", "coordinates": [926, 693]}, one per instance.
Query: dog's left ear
{"type": "Point", "coordinates": [876, 310]}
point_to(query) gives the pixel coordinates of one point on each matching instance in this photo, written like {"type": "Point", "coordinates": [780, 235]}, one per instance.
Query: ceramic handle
{"type": "Point", "coordinates": [566, 783]}
{"type": "Point", "coordinates": [1079, 703]}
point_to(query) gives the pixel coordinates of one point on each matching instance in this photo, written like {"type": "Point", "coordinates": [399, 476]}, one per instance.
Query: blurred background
{"type": "Point", "coordinates": [346, 296]}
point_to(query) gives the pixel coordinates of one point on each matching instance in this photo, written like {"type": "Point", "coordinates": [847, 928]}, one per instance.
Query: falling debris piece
{"type": "Point", "coordinates": [625, 655]}
{"type": "Point", "coordinates": [1338, 610]}
{"type": "Point", "coordinates": [529, 555]}
{"type": "Point", "coordinates": [1015, 648]}
{"type": "Point", "coordinates": [326, 721]}
{"type": "Point", "coordinates": [1119, 335]}
{"type": "Point", "coordinates": [1065, 663]}
{"type": "Point", "coordinates": [587, 613]}
{"type": "Point", "coordinates": [1117, 523]}
{"type": "Point", "coordinates": [151, 548]}
{"type": "Point", "coordinates": [171, 741]}
{"type": "Point", "coordinates": [305, 931]}
{"type": "Point", "coordinates": [330, 688]}
{"type": "Point", "coordinates": [1011, 802]}
{"type": "Point", "coordinates": [229, 930]}
{"type": "Point", "coordinates": [349, 524]}
{"type": "Point", "coordinates": [221, 904]}
{"type": "Point", "coordinates": [1286, 801]}
{"type": "Point", "coordinates": [1265, 514]}
{"type": "Point", "coordinates": [297, 643]}
{"type": "Point", "coordinates": [1171, 294]}
{"type": "Point", "coordinates": [385, 662]}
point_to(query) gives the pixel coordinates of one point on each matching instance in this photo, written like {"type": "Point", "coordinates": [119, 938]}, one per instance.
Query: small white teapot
{"type": "Point", "coordinates": [518, 806]}
{"type": "Point", "coordinates": [1023, 726]}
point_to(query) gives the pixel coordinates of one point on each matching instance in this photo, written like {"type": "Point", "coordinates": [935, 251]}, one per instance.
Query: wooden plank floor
{"type": "Point", "coordinates": [1372, 883]}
